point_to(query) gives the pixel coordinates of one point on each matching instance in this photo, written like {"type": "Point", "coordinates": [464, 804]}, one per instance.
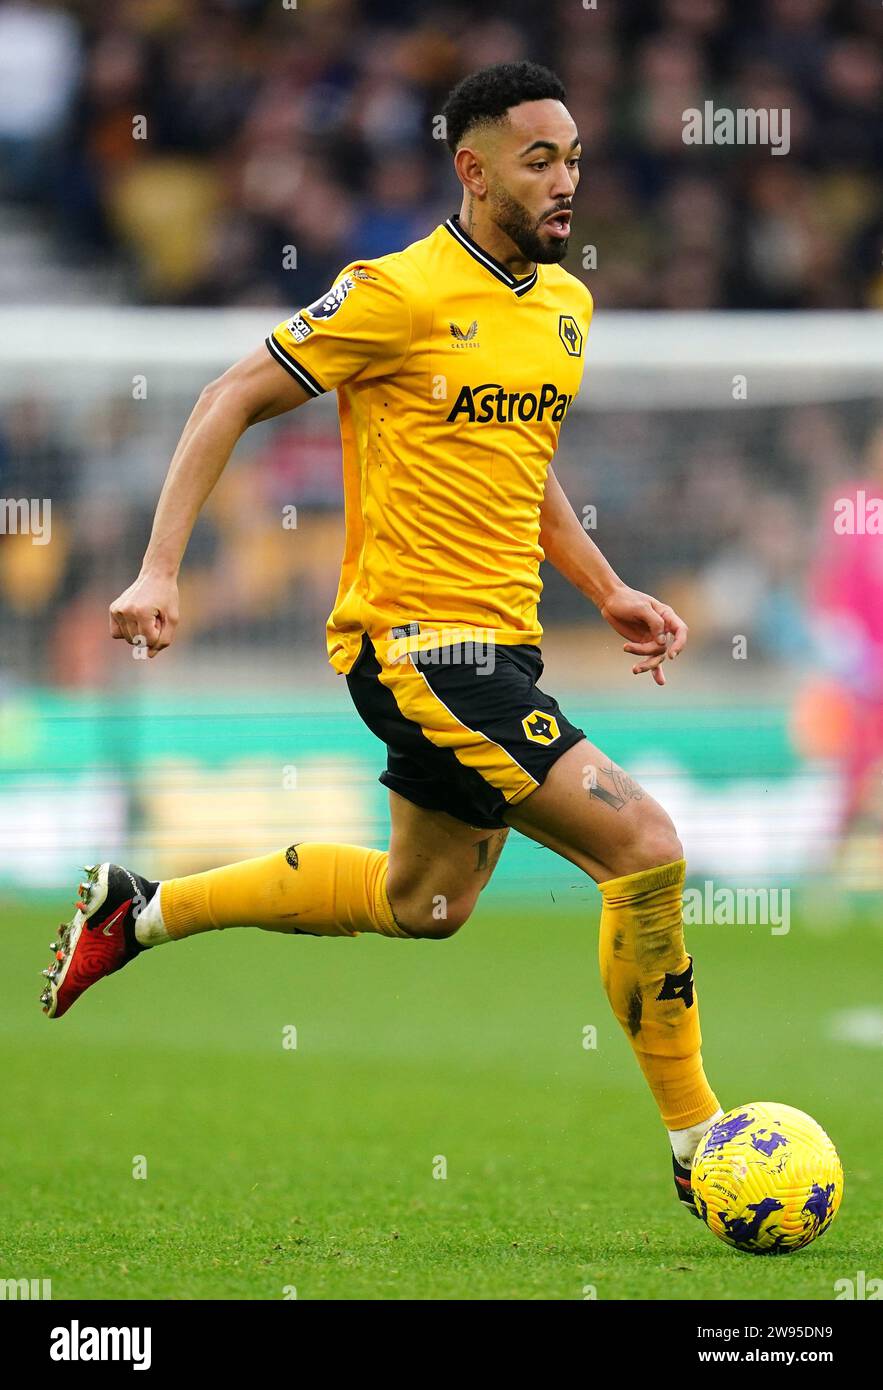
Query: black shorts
{"type": "Point", "coordinates": [467, 736]}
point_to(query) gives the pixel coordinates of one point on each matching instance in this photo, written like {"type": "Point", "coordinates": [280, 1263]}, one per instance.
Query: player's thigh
{"type": "Point", "coordinates": [593, 813]}
{"type": "Point", "coordinates": [438, 865]}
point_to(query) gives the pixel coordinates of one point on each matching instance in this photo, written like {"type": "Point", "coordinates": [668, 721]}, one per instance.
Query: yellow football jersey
{"type": "Point", "coordinates": [453, 378]}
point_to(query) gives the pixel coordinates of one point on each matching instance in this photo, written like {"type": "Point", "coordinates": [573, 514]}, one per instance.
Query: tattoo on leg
{"type": "Point", "coordinates": [489, 850]}
{"type": "Point", "coordinates": [622, 789]}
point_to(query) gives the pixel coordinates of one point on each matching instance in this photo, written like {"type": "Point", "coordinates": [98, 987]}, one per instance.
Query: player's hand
{"type": "Point", "coordinates": [655, 632]}
{"type": "Point", "coordinates": [146, 614]}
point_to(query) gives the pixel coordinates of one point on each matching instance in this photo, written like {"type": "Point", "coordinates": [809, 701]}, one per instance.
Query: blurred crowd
{"type": "Point", "coordinates": [723, 513]}
{"type": "Point", "coordinates": [241, 151]}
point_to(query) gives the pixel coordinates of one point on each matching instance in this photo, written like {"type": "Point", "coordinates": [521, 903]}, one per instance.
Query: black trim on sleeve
{"type": "Point", "coordinates": [294, 368]}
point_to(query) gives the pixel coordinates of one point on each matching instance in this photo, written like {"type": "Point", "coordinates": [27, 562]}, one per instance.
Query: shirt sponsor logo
{"type": "Point", "coordinates": [465, 337]}
{"type": "Point", "coordinates": [491, 402]}
{"type": "Point", "coordinates": [329, 304]}
{"type": "Point", "coordinates": [299, 328]}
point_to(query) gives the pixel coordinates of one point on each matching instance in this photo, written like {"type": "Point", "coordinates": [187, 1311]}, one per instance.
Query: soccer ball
{"type": "Point", "coordinates": [767, 1179]}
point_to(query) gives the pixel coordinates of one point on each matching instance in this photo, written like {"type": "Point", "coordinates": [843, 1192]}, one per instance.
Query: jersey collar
{"type": "Point", "coordinates": [520, 287]}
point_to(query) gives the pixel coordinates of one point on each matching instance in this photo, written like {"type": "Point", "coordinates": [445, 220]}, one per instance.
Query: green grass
{"type": "Point", "coordinates": [270, 1168]}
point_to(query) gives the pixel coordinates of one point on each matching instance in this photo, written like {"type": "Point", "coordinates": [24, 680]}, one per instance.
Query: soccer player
{"type": "Point", "coordinates": [455, 362]}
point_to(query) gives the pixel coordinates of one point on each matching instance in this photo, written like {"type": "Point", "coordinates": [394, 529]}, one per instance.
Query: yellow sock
{"type": "Point", "coordinates": [648, 977]}
{"type": "Point", "coordinates": [323, 890]}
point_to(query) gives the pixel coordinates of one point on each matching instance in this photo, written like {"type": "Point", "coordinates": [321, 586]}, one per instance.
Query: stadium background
{"type": "Point", "coordinates": [731, 397]}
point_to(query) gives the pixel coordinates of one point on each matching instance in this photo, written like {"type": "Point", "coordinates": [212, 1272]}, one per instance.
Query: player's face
{"type": "Point", "coordinates": [532, 178]}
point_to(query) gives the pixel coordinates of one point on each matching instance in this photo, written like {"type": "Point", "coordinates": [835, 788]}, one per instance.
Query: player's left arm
{"type": "Point", "coordinates": [653, 630]}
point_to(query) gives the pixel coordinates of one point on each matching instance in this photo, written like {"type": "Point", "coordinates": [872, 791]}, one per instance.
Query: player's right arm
{"type": "Point", "coordinates": [255, 388]}
{"type": "Point", "coordinates": [360, 329]}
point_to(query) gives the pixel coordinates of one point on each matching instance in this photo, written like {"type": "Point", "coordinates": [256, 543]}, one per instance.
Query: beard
{"type": "Point", "coordinates": [514, 219]}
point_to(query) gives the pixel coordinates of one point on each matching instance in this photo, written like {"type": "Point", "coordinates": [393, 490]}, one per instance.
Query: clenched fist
{"type": "Point", "coordinates": [146, 614]}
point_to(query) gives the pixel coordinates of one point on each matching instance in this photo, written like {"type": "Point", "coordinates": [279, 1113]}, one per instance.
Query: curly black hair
{"type": "Point", "coordinates": [485, 96]}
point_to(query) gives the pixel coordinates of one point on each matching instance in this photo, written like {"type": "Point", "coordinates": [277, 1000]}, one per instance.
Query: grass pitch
{"type": "Point", "coordinates": [271, 1168]}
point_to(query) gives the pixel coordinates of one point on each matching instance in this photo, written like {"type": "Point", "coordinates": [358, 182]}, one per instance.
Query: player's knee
{"type": "Point", "coordinates": [435, 920]}
{"type": "Point", "coordinates": [658, 841]}
{"type": "Point", "coordinates": [649, 840]}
